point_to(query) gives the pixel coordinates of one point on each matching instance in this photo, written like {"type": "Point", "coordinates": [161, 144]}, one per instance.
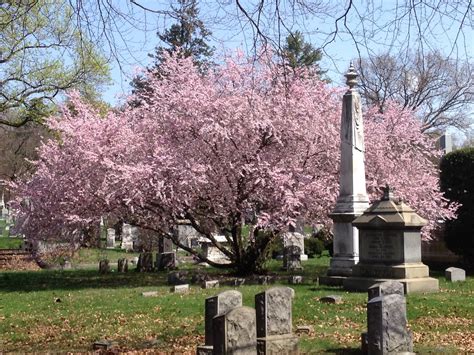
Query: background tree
{"type": "Point", "coordinates": [213, 147]}
{"type": "Point", "coordinates": [440, 90]}
{"type": "Point", "coordinates": [457, 181]}
{"type": "Point", "coordinates": [43, 54]}
{"type": "Point", "coordinates": [18, 147]}
{"type": "Point", "coordinates": [188, 34]}
{"type": "Point", "coordinates": [299, 53]}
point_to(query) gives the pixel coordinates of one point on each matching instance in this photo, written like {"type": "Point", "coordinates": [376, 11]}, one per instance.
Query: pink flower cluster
{"type": "Point", "coordinates": [244, 138]}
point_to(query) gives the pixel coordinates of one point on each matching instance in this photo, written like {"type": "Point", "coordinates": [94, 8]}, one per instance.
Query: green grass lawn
{"type": "Point", "coordinates": [10, 243]}
{"type": "Point", "coordinates": [92, 256]}
{"type": "Point", "coordinates": [94, 306]}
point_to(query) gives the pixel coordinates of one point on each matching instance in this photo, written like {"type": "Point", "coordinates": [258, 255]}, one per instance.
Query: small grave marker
{"type": "Point", "coordinates": [234, 332]}
{"type": "Point", "coordinates": [180, 288]}
{"type": "Point", "coordinates": [454, 274]}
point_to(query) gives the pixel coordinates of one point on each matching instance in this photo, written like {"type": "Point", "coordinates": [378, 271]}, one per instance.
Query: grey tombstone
{"type": "Point", "coordinates": [454, 274]}
{"type": "Point", "coordinates": [387, 331]}
{"type": "Point", "coordinates": [180, 288]}
{"type": "Point", "coordinates": [166, 261]}
{"type": "Point", "coordinates": [216, 306]}
{"type": "Point", "coordinates": [265, 280]}
{"type": "Point", "coordinates": [104, 266]}
{"type": "Point", "coordinates": [110, 238]}
{"type": "Point", "coordinates": [293, 248]}
{"type": "Point", "coordinates": [295, 279]}
{"type": "Point", "coordinates": [292, 258]}
{"type": "Point", "coordinates": [238, 282]}
{"type": "Point", "coordinates": [165, 245]}
{"type": "Point", "coordinates": [150, 294]}
{"type": "Point", "coordinates": [166, 257]}
{"type": "Point", "coordinates": [233, 333]}
{"type": "Point", "coordinates": [185, 233]}
{"type": "Point", "coordinates": [127, 237]}
{"type": "Point", "coordinates": [145, 262]}
{"type": "Point", "coordinates": [386, 288]}
{"type": "Point", "coordinates": [122, 265]}
{"type": "Point", "coordinates": [102, 229]}
{"type": "Point", "coordinates": [177, 278]}
{"type": "Point", "coordinates": [103, 345]}
{"type": "Point", "coordinates": [210, 284]}
{"type": "Point", "coordinates": [67, 265]}
{"type": "Point", "coordinates": [390, 247]}
{"type": "Point", "coordinates": [274, 321]}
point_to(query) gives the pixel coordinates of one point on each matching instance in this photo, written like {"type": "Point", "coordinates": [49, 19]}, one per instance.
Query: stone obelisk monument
{"type": "Point", "coordinates": [353, 199]}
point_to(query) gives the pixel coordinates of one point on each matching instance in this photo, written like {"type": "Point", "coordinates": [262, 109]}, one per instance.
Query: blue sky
{"type": "Point", "coordinates": [383, 22]}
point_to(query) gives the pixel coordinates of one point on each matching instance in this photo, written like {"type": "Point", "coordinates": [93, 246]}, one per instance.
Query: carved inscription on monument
{"type": "Point", "coordinates": [381, 246]}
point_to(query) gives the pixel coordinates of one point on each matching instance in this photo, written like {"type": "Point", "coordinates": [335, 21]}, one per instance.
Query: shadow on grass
{"type": "Point", "coordinates": [26, 281]}
{"type": "Point", "coordinates": [76, 279]}
{"type": "Point", "coordinates": [344, 351]}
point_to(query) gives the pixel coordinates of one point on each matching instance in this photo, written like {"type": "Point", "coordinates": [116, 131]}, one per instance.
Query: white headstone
{"type": "Point", "coordinates": [353, 199]}
{"type": "Point", "coordinates": [127, 237]}
{"type": "Point", "coordinates": [110, 238]}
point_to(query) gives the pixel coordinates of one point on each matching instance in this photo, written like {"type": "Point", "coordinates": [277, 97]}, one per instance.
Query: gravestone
{"type": "Point", "coordinates": [5, 220]}
{"type": "Point", "coordinates": [293, 250]}
{"type": "Point", "coordinates": [122, 265]}
{"type": "Point", "coordinates": [104, 345]}
{"type": "Point", "coordinates": [210, 284]}
{"type": "Point", "coordinates": [390, 247]}
{"type": "Point", "coordinates": [216, 306]}
{"type": "Point", "coordinates": [104, 266]}
{"type": "Point", "coordinates": [102, 231]}
{"type": "Point", "coordinates": [180, 288]}
{"type": "Point", "coordinates": [165, 245]}
{"type": "Point", "coordinates": [386, 288]}
{"type": "Point", "coordinates": [127, 237]}
{"type": "Point", "coordinates": [177, 278]}
{"type": "Point", "coordinates": [67, 265]}
{"type": "Point", "coordinates": [150, 294]}
{"type": "Point", "coordinates": [274, 321]}
{"type": "Point", "coordinates": [211, 252]}
{"type": "Point", "coordinates": [238, 282]}
{"type": "Point", "coordinates": [4, 208]}
{"type": "Point", "coordinates": [166, 261]}
{"type": "Point", "coordinates": [352, 200]}
{"type": "Point", "coordinates": [145, 262]}
{"type": "Point", "coordinates": [265, 280]}
{"type": "Point", "coordinates": [186, 234]}
{"type": "Point", "coordinates": [454, 274]}
{"type": "Point", "coordinates": [292, 258]}
{"type": "Point", "coordinates": [295, 279]}
{"type": "Point", "coordinates": [110, 238]}
{"type": "Point", "coordinates": [387, 331]}
{"type": "Point", "coordinates": [135, 232]}
{"type": "Point", "coordinates": [234, 333]}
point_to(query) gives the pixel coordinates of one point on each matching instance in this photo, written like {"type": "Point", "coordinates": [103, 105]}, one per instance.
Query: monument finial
{"type": "Point", "coordinates": [351, 76]}
{"type": "Point", "coordinates": [387, 193]}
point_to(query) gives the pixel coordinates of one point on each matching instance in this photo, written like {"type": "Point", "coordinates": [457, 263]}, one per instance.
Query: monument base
{"type": "Point", "coordinates": [342, 265]}
{"type": "Point", "coordinates": [422, 284]}
{"type": "Point", "coordinates": [340, 268]}
{"type": "Point", "coordinates": [278, 344]}
{"type": "Point", "coordinates": [332, 280]}
{"type": "Point", "coordinates": [399, 271]}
